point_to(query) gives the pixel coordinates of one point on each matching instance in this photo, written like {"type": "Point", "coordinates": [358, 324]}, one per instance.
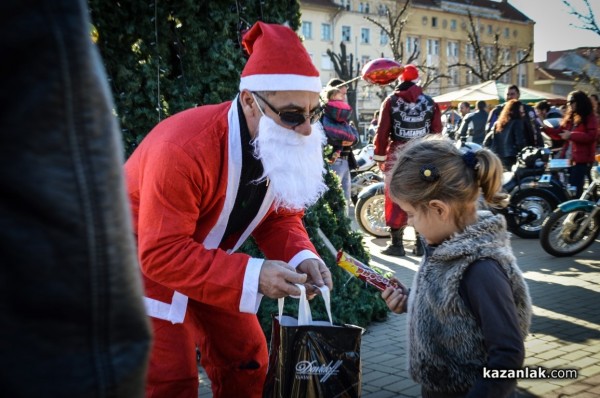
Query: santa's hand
{"type": "Point", "coordinates": [277, 279]}
{"type": "Point", "coordinates": [395, 298]}
{"type": "Point", "coordinates": [318, 274]}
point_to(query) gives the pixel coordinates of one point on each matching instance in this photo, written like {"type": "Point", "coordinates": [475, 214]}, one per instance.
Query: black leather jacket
{"type": "Point", "coordinates": [72, 322]}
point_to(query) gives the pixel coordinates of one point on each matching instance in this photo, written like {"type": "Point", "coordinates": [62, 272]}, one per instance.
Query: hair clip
{"type": "Point", "coordinates": [470, 159]}
{"type": "Point", "coordinates": [429, 173]}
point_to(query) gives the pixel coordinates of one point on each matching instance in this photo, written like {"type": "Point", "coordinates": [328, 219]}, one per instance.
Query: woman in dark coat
{"type": "Point", "coordinates": [512, 132]}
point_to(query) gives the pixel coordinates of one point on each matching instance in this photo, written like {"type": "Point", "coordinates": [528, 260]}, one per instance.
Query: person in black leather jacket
{"type": "Point", "coordinates": [512, 133]}
{"type": "Point", "coordinates": [72, 320]}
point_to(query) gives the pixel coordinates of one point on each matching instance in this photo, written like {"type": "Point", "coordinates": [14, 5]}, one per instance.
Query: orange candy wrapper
{"type": "Point", "coordinates": [364, 272]}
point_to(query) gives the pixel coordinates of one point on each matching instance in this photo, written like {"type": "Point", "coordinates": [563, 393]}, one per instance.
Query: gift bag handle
{"type": "Point", "coordinates": [304, 313]}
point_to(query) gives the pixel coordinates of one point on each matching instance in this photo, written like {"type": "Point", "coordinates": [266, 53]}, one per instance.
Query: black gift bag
{"type": "Point", "coordinates": [313, 359]}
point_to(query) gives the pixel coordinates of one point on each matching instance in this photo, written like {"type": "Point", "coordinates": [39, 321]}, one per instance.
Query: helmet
{"type": "Point", "coordinates": [533, 158]}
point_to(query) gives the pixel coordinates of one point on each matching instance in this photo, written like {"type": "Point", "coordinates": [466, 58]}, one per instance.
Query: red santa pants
{"type": "Point", "coordinates": [233, 352]}
{"type": "Point", "coordinates": [395, 217]}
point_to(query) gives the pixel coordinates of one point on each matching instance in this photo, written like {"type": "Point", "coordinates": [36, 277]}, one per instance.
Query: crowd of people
{"type": "Point", "coordinates": [139, 264]}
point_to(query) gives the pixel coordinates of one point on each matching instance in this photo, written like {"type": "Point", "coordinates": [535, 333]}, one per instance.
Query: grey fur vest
{"type": "Point", "coordinates": [446, 346]}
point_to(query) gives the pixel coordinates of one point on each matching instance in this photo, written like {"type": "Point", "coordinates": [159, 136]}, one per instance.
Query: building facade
{"type": "Point", "coordinates": [569, 70]}
{"type": "Point", "coordinates": [435, 31]}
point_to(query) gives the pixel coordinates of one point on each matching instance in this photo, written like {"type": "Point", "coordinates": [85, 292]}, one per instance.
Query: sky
{"type": "Point", "coordinates": [554, 28]}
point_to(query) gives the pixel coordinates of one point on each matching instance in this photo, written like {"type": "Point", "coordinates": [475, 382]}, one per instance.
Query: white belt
{"type": "Point", "coordinates": [174, 312]}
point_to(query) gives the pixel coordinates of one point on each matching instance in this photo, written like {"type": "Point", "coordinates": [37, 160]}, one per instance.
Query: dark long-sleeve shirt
{"type": "Point", "coordinates": [479, 119]}
{"type": "Point", "coordinates": [486, 292]}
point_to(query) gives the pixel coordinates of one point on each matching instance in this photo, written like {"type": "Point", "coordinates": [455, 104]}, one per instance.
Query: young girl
{"type": "Point", "coordinates": [469, 307]}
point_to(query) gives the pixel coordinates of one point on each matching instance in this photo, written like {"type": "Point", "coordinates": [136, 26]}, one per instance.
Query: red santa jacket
{"type": "Point", "coordinates": [182, 182]}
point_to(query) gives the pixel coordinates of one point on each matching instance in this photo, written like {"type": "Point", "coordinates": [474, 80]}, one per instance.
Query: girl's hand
{"type": "Point", "coordinates": [396, 298]}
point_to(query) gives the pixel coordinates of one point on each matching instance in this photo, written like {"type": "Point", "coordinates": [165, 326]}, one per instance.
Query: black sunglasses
{"type": "Point", "coordinates": [293, 119]}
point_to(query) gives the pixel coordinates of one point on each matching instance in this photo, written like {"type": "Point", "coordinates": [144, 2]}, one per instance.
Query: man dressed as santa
{"type": "Point", "coordinates": [200, 183]}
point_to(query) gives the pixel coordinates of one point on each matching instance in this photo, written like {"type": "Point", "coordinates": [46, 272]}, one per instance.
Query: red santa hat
{"type": "Point", "coordinates": [278, 61]}
{"type": "Point", "coordinates": [410, 73]}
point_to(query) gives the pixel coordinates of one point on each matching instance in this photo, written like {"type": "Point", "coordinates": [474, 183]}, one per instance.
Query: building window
{"type": "Point", "coordinates": [469, 77]}
{"type": "Point", "coordinates": [521, 69]}
{"type": "Point", "coordinates": [506, 55]}
{"type": "Point", "coordinates": [412, 46]}
{"type": "Point", "coordinates": [488, 52]}
{"type": "Point", "coordinates": [453, 24]}
{"type": "Point", "coordinates": [307, 30]}
{"type": "Point", "coordinates": [326, 32]}
{"type": "Point", "coordinates": [365, 36]}
{"type": "Point", "coordinates": [507, 33]}
{"type": "Point", "coordinates": [347, 4]}
{"type": "Point", "coordinates": [346, 33]}
{"type": "Point", "coordinates": [383, 38]}
{"type": "Point", "coordinates": [452, 49]}
{"type": "Point", "coordinates": [326, 63]}
{"type": "Point", "coordinates": [366, 8]}
{"type": "Point", "coordinates": [382, 10]}
{"type": "Point", "coordinates": [490, 30]}
{"type": "Point", "coordinates": [453, 72]}
{"type": "Point", "coordinates": [434, 22]}
{"type": "Point", "coordinates": [469, 52]}
{"type": "Point", "coordinates": [364, 60]}
{"type": "Point", "coordinates": [433, 47]}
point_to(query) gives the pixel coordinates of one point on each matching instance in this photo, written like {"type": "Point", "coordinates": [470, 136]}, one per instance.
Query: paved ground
{"type": "Point", "coordinates": [565, 332]}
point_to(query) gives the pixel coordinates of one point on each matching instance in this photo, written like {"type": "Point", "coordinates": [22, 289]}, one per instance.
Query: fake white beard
{"type": "Point", "coordinates": [292, 162]}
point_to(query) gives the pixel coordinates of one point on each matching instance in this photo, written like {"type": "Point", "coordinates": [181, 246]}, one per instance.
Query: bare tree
{"type": "Point", "coordinates": [588, 22]}
{"type": "Point", "coordinates": [344, 68]}
{"type": "Point", "coordinates": [489, 64]}
{"type": "Point", "coordinates": [393, 27]}
{"type": "Point", "coordinates": [587, 19]}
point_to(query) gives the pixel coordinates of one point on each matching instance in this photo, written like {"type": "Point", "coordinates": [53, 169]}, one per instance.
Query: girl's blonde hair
{"type": "Point", "coordinates": [433, 167]}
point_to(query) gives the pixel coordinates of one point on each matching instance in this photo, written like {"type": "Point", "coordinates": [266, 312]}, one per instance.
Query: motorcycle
{"type": "Point", "coordinates": [536, 187]}
{"type": "Point", "coordinates": [366, 173]}
{"type": "Point", "coordinates": [534, 193]}
{"type": "Point", "coordinates": [575, 224]}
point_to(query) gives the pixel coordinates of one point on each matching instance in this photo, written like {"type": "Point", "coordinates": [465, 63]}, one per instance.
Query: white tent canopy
{"type": "Point", "coordinates": [492, 92]}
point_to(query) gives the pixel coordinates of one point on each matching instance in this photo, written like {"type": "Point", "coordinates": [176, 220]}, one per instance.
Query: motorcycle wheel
{"type": "Point", "coordinates": [557, 235]}
{"type": "Point", "coordinates": [362, 180]}
{"type": "Point", "coordinates": [536, 202]}
{"type": "Point", "coordinates": [370, 215]}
